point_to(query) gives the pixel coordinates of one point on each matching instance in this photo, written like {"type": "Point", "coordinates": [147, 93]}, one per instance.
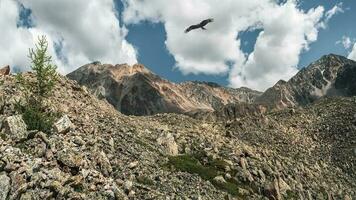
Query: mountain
{"type": "Point", "coordinates": [332, 75]}
{"type": "Point", "coordinates": [134, 90]}
{"type": "Point", "coordinates": [95, 152]}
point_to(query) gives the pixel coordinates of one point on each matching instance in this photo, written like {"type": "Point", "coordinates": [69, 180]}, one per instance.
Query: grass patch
{"type": "Point", "coordinates": [145, 180]}
{"type": "Point", "coordinates": [208, 170]}
{"type": "Point", "coordinates": [188, 163]}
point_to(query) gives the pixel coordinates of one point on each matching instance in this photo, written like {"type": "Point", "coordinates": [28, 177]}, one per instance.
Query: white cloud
{"type": "Point", "coordinates": [14, 42]}
{"type": "Point", "coordinates": [333, 11]}
{"type": "Point", "coordinates": [352, 54]}
{"type": "Point", "coordinates": [287, 31]}
{"type": "Point", "coordinates": [346, 42]}
{"type": "Point", "coordinates": [338, 8]}
{"type": "Point", "coordinates": [349, 44]}
{"type": "Point", "coordinates": [87, 29]}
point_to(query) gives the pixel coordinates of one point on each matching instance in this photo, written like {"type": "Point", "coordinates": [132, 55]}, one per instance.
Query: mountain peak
{"type": "Point", "coordinates": [128, 70]}
{"type": "Point", "coordinates": [135, 90]}
{"type": "Point", "coordinates": [313, 82]}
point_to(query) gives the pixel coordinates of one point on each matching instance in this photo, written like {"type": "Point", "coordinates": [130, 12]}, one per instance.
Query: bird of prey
{"type": "Point", "coordinates": [200, 25]}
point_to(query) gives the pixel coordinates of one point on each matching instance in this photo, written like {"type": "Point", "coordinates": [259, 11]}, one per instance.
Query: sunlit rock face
{"type": "Point", "coordinates": [134, 90]}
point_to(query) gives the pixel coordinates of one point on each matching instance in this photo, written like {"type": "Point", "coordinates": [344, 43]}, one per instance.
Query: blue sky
{"type": "Point", "coordinates": [149, 40]}
{"type": "Point", "coordinates": [251, 43]}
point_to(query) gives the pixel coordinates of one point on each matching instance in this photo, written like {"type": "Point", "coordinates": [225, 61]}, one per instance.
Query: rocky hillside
{"type": "Point", "coordinates": [332, 75]}
{"type": "Point", "coordinates": [94, 152]}
{"type": "Point", "coordinates": [134, 90]}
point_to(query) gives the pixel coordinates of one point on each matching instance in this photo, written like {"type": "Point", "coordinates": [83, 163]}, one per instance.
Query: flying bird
{"type": "Point", "coordinates": [200, 25]}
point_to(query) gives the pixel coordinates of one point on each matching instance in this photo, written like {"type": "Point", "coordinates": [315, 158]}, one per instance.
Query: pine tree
{"type": "Point", "coordinates": [34, 111]}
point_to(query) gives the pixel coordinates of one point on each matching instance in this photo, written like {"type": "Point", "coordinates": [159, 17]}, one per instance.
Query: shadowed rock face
{"type": "Point", "coordinates": [332, 75]}
{"type": "Point", "coordinates": [134, 90]}
{"type": "Point", "coordinates": [5, 70]}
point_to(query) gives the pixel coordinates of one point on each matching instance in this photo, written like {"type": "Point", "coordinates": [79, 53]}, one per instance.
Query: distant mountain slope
{"type": "Point", "coordinates": [134, 90]}
{"type": "Point", "coordinates": [332, 75]}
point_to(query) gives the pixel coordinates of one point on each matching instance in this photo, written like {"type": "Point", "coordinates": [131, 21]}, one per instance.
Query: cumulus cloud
{"type": "Point", "coordinates": [352, 54]}
{"type": "Point", "coordinates": [78, 31]}
{"type": "Point", "coordinates": [287, 31]}
{"type": "Point", "coordinates": [14, 42]}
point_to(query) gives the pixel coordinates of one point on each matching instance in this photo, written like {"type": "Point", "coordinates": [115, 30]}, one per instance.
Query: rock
{"type": "Point", "coordinates": [128, 185]}
{"type": "Point", "coordinates": [63, 125]}
{"type": "Point", "coordinates": [283, 186]}
{"type": "Point", "coordinates": [219, 180]}
{"type": "Point", "coordinates": [243, 163]}
{"type": "Point", "coordinates": [245, 175]}
{"type": "Point", "coordinates": [228, 176]}
{"type": "Point", "coordinates": [4, 186]}
{"type": "Point", "coordinates": [243, 192]}
{"type": "Point", "coordinates": [347, 197]}
{"type": "Point", "coordinates": [133, 164]}
{"type": "Point", "coordinates": [16, 128]}
{"type": "Point", "coordinates": [167, 141]}
{"type": "Point", "coordinates": [262, 176]}
{"type": "Point", "coordinates": [70, 158]}
{"type": "Point", "coordinates": [271, 190]}
{"type": "Point", "coordinates": [104, 163]}
{"type": "Point", "coordinates": [5, 71]}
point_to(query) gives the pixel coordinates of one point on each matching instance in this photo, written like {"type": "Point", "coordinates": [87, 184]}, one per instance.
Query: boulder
{"type": "Point", "coordinates": [271, 190]}
{"type": "Point", "coordinates": [219, 180]}
{"type": "Point", "coordinates": [4, 186]}
{"type": "Point", "coordinates": [70, 158]}
{"type": "Point", "coordinates": [128, 185]}
{"type": "Point", "coordinates": [15, 128]}
{"type": "Point", "coordinates": [104, 163]}
{"type": "Point", "coordinates": [170, 146]}
{"type": "Point", "coordinates": [283, 186]}
{"type": "Point", "coordinates": [63, 125]}
{"type": "Point", "coordinates": [243, 163]}
{"type": "Point", "coordinates": [5, 71]}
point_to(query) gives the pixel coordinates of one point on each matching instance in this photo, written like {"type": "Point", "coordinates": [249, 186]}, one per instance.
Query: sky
{"type": "Point", "coordinates": [251, 43]}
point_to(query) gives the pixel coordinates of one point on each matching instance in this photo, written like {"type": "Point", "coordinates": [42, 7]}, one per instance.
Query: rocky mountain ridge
{"type": "Point", "coordinates": [137, 91]}
{"type": "Point", "coordinates": [320, 79]}
{"type": "Point", "coordinates": [134, 90]}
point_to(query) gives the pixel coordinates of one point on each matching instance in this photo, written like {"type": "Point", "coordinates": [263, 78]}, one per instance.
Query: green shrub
{"type": "Point", "coordinates": [208, 171]}
{"type": "Point", "coordinates": [33, 110]}
{"type": "Point", "coordinates": [36, 118]}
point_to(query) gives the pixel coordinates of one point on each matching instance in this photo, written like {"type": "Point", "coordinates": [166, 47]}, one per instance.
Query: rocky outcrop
{"type": "Point", "coordinates": [4, 186]}
{"type": "Point", "coordinates": [134, 90]}
{"type": "Point", "coordinates": [332, 75]}
{"type": "Point", "coordinates": [5, 71]}
{"type": "Point", "coordinates": [15, 128]}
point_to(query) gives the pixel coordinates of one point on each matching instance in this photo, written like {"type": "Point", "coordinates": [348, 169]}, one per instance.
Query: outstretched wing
{"type": "Point", "coordinates": [207, 21]}
{"type": "Point", "coordinates": [192, 27]}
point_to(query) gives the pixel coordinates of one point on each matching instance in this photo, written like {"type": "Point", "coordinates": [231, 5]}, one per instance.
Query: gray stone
{"type": "Point", "coordinates": [70, 158]}
{"type": "Point", "coordinates": [63, 125]}
{"type": "Point", "coordinates": [104, 163]}
{"type": "Point", "coordinates": [170, 146]}
{"type": "Point", "coordinates": [219, 179]}
{"type": "Point", "coordinates": [283, 186]}
{"type": "Point", "coordinates": [128, 185]}
{"type": "Point", "coordinates": [271, 190]}
{"type": "Point", "coordinates": [4, 186]}
{"type": "Point", "coordinates": [16, 128]}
